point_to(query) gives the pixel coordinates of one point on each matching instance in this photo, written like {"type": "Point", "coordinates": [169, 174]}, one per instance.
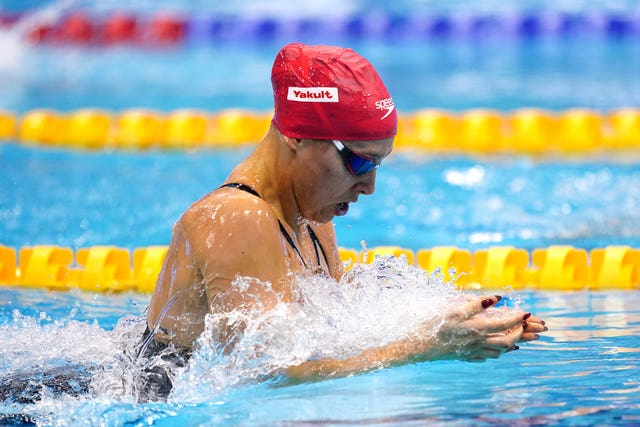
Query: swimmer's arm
{"type": "Point", "coordinates": [178, 270]}
{"type": "Point", "coordinates": [464, 335]}
{"type": "Point", "coordinates": [393, 354]}
{"type": "Point", "coordinates": [174, 305]}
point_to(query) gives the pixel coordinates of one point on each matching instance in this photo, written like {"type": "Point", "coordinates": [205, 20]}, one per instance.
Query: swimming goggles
{"type": "Point", "coordinates": [356, 164]}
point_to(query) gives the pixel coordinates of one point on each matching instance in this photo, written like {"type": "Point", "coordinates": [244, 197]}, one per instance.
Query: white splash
{"type": "Point", "coordinates": [372, 305]}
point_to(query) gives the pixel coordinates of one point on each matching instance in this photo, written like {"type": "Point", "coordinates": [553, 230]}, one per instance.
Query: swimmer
{"type": "Point", "coordinates": [334, 124]}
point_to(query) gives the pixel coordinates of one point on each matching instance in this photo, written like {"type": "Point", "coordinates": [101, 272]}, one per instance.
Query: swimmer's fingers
{"type": "Point", "coordinates": [473, 307]}
{"type": "Point", "coordinates": [495, 345]}
{"type": "Point", "coordinates": [532, 327]}
{"type": "Point", "coordinates": [494, 324]}
{"type": "Point", "coordinates": [504, 340]}
{"type": "Point", "coordinates": [529, 336]}
{"type": "Point", "coordinates": [534, 324]}
{"type": "Point", "coordinates": [535, 319]}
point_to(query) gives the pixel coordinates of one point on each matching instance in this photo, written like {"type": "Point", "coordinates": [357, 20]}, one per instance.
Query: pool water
{"type": "Point", "coordinates": [420, 201]}
{"type": "Point", "coordinates": [450, 74]}
{"type": "Point", "coordinates": [584, 371]}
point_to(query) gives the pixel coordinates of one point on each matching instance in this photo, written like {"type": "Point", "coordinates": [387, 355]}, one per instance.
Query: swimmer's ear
{"type": "Point", "coordinates": [293, 143]}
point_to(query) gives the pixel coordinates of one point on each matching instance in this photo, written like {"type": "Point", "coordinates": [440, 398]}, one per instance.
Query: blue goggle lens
{"type": "Point", "coordinates": [356, 164]}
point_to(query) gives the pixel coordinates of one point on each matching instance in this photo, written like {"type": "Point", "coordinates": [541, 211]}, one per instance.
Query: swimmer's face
{"type": "Point", "coordinates": [330, 176]}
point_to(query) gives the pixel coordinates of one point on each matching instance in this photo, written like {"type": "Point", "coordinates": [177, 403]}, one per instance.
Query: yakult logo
{"type": "Point", "coordinates": [385, 104]}
{"type": "Point", "coordinates": [313, 94]}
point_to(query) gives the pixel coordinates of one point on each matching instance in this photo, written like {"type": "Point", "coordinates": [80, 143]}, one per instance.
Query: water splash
{"type": "Point", "coordinates": [372, 305]}
{"type": "Point", "coordinates": [30, 348]}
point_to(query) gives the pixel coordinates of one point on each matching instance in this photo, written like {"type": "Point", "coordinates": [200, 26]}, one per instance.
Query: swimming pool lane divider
{"type": "Point", "coordinates": [523, 131]}
{"type": "Point", "coordinates": [557, 268]}
{"type": "Point", "coordinates": [84, 27]}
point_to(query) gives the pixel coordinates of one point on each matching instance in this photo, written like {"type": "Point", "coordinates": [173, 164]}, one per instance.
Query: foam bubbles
{"type": "Point", "coordinates": [371, 306]}
{"type": "Point", "coordinates": [33, 348]}
{"type": "Point", "coordinates": [374, 304]}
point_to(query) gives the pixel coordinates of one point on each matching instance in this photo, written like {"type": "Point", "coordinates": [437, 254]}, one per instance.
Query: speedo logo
{"type": "Point", "coordinates": [313, 94]}
{"type": "Point", "coordinates": [385, 104]}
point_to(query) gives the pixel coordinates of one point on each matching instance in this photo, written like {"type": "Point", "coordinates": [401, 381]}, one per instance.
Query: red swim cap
{"type": "Point", "coordinates": [326, 92]}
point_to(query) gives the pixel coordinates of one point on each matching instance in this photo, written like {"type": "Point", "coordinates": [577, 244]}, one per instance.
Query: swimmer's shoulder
{"type": "Point", "coordinates": [228, 207]}
{"type": "Point", "coordinates": [234, 232]}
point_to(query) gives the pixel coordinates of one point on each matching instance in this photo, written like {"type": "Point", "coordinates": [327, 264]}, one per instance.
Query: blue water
{"type": "Point", "coordinates": [451, 74]}
{"type": "Point", "coordinates": [585, 371]}
{"type": "Point", "coordinates": [78, 199]}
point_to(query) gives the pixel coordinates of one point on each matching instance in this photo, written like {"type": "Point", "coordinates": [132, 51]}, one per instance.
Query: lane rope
{"type": "Point", "coordinates": [100, 28]}
{"type": "Point", "coordinates": [559, 268]}
{"type": "Point", "coordinates": [523, 131]}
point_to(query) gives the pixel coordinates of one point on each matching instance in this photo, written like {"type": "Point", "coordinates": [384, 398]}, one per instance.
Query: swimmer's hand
{"type": "Point", "coordinates": [469, 332]}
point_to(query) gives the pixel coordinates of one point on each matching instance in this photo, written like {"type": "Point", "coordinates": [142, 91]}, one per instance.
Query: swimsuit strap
{"type": "Point", "coordinates": [245, 187]}
{"type": "Point", "coordinates": [316, 243]}
{"type": "Point", "coordinates": [290, 240]}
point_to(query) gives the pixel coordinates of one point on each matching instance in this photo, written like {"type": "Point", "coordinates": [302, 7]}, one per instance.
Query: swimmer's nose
{"type": "Point", "coordinates": [366, 183]}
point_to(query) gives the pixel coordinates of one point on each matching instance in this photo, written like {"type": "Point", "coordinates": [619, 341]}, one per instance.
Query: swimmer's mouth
{"type": "Point", "coordinates": [342, 208]}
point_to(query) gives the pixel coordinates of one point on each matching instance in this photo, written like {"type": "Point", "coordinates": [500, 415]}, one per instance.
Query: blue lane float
{"type": "Point", "coordinates": [161, 28]}
{"type": "Point", "coordinates": [375, 24]}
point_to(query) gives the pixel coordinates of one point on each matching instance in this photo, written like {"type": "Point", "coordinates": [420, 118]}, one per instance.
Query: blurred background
{"type": "Point", "coordinates": [441, 54]}
{"type": "Point", "coordinates": [453, 56]}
